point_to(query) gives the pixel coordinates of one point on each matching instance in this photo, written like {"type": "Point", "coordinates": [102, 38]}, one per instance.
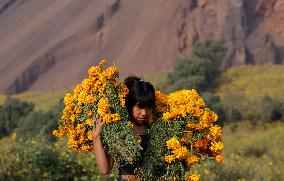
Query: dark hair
{"type": "Point", "coordinates": [140, 93]}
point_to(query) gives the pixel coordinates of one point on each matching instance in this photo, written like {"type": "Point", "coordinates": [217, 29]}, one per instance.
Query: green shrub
{"type": "Point", "coordinates": [40, 124]}
{"type": "Point", "coordinates": [199, 70]}
{"type": "Point", "coordinates": [40, 160]}
{"type": "Point", "coordinates": [10, 114]}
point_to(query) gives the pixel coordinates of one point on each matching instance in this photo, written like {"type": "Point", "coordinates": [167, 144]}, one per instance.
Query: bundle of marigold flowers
{"type": "Point", "coordinates": [101, 93]}
{"type": "Point", "coordinates": [183, 135]}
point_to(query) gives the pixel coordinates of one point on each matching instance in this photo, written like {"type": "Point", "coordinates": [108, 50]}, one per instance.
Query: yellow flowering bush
{"type": "Point", "coordinates": [182, 135]}
{"type": "Point", "coordinates": [101, 93]}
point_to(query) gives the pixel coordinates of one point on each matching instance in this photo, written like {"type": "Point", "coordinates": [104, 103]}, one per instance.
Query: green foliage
{"type": "Point", "coordinates": [198, 71]}
{"type": "Point", "coordinates": [270, 109]}
{"type": "Point", "coordinates": [10, 114]}
{"type": "Point", "coordinates": [43, 123]}
{"type": "Point", "coordinates": [152, 167]}
{"type": "Point", "coordinates": [242, 91]}
{"type": "Point", "coordinates": [40, 160]}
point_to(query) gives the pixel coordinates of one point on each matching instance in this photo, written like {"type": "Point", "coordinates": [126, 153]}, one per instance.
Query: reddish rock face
{"type": "Point", "coordinates": [49, 45]}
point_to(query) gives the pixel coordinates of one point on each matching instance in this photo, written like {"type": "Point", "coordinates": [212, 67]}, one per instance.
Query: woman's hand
{"type": "Point", "coordinates": [97, 127]}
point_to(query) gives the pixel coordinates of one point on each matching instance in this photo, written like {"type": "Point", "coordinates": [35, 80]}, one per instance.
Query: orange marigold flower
{"type": "Point", "coordinates": [102, 63]}
{"type": "Point", "coordinates": [89, 122]}
{"type": "Point", "coordinates": [217, 147]}
{"type": "Point", "coordinates": [169, 158]}
{"type": "Point", "coordinates": [103, 107]}
{"type": "Point", "coordinates": [161, 101]}
{"type": "Point", "coordinates": [57, 133]}
{"type": "Point", "coordinates": [181, 153]}
{"type": "Point", "coordinates": [173, 143]}
{"type": "Point", "coordinates": [220, 158]}
{"type": "Point", "coordinates": [191, 159]}
{"type": "Point", "coordinates": [90, 135]}
{"type": "Point", "coordinates": [111, 72]}
{"type": "Point", "coordinates": [215, 131]}
{"type": "Point", "coordinates": [193, 177]}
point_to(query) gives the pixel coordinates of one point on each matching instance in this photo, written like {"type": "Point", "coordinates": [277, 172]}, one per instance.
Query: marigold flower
{"type": "Point", "coordinates": [193, 177]}
{"type": "Point", "coordinates": [181, 152]}
{"type": "Point", "coordinates": [89, 122]}
{"type": "Point", "coordinates": [102, 63]}
{"type": "Point", "coordinates": [161, 101]}
{"type": "Point", "coordinates": [111, 72]}
{"type": "Point", "coordinates": [57, 133]}
{"type": "Point", "coordinates": [90, 135]}
{"type": "Point", "coordinates": [103, 107]}
{"type": "Point", "coordinates": [215, 131]}
{"type": "Point", "coordinates": [220, 158]}
{"type": "Point", "coordinates": [217, 147]}
{"type": "Point", "coordinates": [191, 159]}
{"type": "Point", "coordinates": [173, 143]}
{"type": "Point", "coordinates": [130, 124]}
{"type": "Point", "coordinates": [169, 158]}
{"type": "Point", "coordinates": [94, 71]}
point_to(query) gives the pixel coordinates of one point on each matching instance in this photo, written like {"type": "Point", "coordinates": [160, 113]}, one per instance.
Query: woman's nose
{"type": "Point", "coordinates": [143, 112]}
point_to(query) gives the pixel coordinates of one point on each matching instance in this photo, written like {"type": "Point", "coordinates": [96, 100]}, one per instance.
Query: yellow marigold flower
{"type": "Point", "coordinates": [73, 118]}
{"type": "Point", "coordinates": [82, 97]}
{"type": "Point", "coordinates": [72, 143]}
{"type": "Point", "coordinates": [197, 112]}
{"type": "Point", "coordinates": [167, 116]}
{"type": "Point", "coordinates": [77, 90]}
{"type": "Point", "coordinates": [193, 177]}
{"type": "Point", "coordinates": [219, 158]}
{"type": "Point", "coordinates": [80, 128]}
{"type": "Point", "coordinates": [68, 99]}
{"type": "Point", "coordinates": [90, 135]}
{"type": "Point", "coordinates": [217, 147]}
{"type": "Point", "coordinates": [191, 159]}
{"type": "Point", "coordinates": [111, 118]}
{"type": "Point", "coordinates": [111, 72]}
{"type": "Point", "coordinates": [124, 91]}
{"type": "Point", "coordinates": [181, 153]}
{"type": "Point", "coordinates": [130, 124]}
{"type": "Point", "coordinates": [78, 110]}
{"type": "Point", "coordinates": [102, 63]}
{"type": "Point", "coordinates": [90, 99]}
{"type": "Point", "coordinates": [169, 158]}
{"type": "Point", "coordinates": [57, 133]}
{"type": "Point", "coordinates": [161, 101]}
{"type": "Point", "coordinates": [89, 122]}
{"type": "Point", "coordinates": [94, 71]}
{"type": "Point", "coordinates": [215, 131]}
{"type": "Point", "coordinates": [86, 85]}
{"type": "Point", "coordinates": [173, 143]}
{"type": "Point", "coordinates": [86, 148]}
{"type": "Point", "coordinates": [103, 106]}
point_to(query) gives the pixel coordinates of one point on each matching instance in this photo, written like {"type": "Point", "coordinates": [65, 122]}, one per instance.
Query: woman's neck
{"type": "Point", "coordinates": [140, 129]}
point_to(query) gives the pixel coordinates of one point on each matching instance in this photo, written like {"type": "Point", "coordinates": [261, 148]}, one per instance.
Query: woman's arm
{"type": "Point", "coordinates": [104, 161]}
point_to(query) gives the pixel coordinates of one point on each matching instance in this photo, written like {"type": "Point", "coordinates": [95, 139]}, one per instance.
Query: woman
{"type": "Point", "coordinates": [140, 101]}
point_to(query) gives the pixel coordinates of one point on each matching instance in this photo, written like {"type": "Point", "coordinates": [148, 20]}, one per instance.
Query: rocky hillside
{"type": "Point", "coordinates": [49, 45]}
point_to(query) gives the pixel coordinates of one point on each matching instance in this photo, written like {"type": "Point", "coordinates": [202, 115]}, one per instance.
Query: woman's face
{"type": "Point", "coordinates": [142, 115]}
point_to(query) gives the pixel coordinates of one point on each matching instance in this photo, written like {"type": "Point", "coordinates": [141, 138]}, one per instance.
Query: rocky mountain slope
{"type": "Point", "coordinates": [49, 45]}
